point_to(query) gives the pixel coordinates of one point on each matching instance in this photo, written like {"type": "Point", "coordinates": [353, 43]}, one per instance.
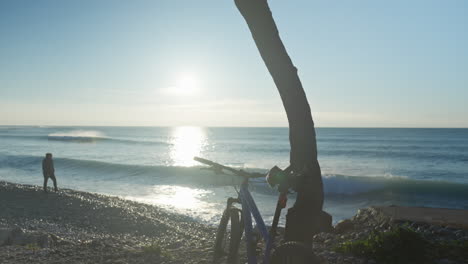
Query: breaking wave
{"type": "Point", "coordinates": [334, 185]}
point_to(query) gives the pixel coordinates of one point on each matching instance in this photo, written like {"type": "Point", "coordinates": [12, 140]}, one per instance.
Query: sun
{"type": "Point", "coordinates": [186, 85]}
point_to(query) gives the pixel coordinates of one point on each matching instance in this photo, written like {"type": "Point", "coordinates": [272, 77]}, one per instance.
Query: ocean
{"type": "Point", "coordinates": [360, 166]}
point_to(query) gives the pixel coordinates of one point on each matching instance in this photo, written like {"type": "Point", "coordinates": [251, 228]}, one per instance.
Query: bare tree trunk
{"type": "Point", "coordinates": [303, 156]}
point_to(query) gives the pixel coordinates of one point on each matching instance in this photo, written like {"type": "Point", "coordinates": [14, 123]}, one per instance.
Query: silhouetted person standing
{"type": "Point", "coordinates": [48, 171]}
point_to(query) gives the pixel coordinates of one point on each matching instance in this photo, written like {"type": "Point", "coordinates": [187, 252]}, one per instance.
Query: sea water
{"type": "Point", "coordinates": [360, 166]}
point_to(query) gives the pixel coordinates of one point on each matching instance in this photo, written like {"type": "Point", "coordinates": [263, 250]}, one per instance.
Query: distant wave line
{"type": "Point", "coordinates": [84, 139]}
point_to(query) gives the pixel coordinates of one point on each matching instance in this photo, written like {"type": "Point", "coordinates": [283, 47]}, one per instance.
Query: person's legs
{"type": "Point", "coordinates": [55, 182]}
{"type": "Point", "coordinates": [45, 183]}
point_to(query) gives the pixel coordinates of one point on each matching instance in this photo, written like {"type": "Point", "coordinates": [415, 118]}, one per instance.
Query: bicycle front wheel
{"type": "Point", "coordinates": [228, 236]}
{"type": "Point", "coordinates": [294, 253]}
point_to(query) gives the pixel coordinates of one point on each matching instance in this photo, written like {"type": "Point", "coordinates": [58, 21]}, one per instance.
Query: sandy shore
{"type": "Point", "coordinates": [79, 227]}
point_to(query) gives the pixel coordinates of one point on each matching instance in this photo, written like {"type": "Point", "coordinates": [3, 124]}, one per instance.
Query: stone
{"type": "Point", "coordinates": [4, 235]}
{"type": "Point", "coordinates": [43, 240]}
{"type": "Point", "coordinates": [458, 233]}
{"type": "Point", "coordinates": [344, 226]}
{"type": "Point", "coordinates": [444, 261]}
{"type": "Point", "coordinates": [384, 226]}
{"type": "Point", "coordinates": [15, 237]}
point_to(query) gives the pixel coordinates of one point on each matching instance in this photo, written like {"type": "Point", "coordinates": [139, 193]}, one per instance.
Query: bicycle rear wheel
{"type": "Point", "coordinates": [228, 236]}
{"type": "Point", "coordinates": [293, 253]}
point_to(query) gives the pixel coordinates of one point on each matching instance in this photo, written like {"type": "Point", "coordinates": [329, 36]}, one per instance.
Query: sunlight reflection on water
{"type": "Point", "coordinates": [180, 199]}
{"type": "Point", "coordinates": [187, 143]}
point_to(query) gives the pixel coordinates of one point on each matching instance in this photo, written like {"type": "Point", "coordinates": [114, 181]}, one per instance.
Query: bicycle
{"type": "Point", "coordinates": [240, 220]}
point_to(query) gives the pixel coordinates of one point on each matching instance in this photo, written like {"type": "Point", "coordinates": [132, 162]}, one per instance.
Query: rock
{"type": "Point", "coordinates": [459, 234]}
{"type": "Point", "coordinates": [176, 245]}
{"type": "Point", "coordinates": [326, 222]}
{"type": "Point", "coordinates": [445, 232]}
{"type": "Point", "coordinates": [15, 237]}
{"type": "Point", "coordinates": [344, 226]}
{"type": "Point", "coordinates": [43, 240]}
{"type": "Point", "coordinates": [444, 261]}
{"type": "Point", "coordinates": [384, 226]}
{"type": "Point", "coordinates": [4, 235]}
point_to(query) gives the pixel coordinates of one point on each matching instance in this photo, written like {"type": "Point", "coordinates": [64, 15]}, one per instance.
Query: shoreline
{"type": "Point", "coordinates": [80, 227]}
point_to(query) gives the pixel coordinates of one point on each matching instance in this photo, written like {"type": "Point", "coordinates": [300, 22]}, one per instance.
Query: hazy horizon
{"type": "Point", "coordinates": [189, 63]}
{"type": "Point", "coordinates": [286, 127]}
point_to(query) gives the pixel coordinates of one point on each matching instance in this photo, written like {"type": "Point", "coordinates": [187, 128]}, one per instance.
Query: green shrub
{"type": "Point", "coordinates": [404, 245]}
{"type": "Point", "coordinates": [155, 250]}
{"type": "Point", "coordinates": [455, 250]}
{"type": "Point", "coordinates": [400, 245]}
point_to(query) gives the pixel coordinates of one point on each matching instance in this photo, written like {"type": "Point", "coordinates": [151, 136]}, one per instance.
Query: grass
{"type": "Point", "coordinates": [154, 249]}
{"type": "Point", "coordinates": [404, 245]}
{"type": "Point", "coordinates": [32, 247]}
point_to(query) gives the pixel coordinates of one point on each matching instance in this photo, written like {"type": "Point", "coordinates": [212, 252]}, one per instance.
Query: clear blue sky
{"type": "Point", "coordinates": [183, 62]}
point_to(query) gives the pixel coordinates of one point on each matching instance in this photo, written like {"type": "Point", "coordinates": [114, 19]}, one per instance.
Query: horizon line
{"type": "Point", "coordinates": [163, 126]}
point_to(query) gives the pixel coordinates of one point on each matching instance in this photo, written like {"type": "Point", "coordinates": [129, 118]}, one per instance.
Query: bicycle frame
{"type": "Point", "coordinates": [249, 209]}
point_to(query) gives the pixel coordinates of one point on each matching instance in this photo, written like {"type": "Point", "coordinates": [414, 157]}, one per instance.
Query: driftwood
{"type": "Point", "coordinates": [303, 156]}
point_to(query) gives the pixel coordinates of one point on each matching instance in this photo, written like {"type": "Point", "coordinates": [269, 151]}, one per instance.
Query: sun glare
{"type": "Point", "coordinates": [187, 143]}
{"type": "Point", "coordinates": [175, 197]}
{"type": "Point", "coordinates": [179, 197]}
{"type": "Point", "coordinates": [185, 85]}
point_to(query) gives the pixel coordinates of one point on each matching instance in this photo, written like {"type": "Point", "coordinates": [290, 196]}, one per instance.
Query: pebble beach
{"type": "Point", "coordinates": [79, 227]}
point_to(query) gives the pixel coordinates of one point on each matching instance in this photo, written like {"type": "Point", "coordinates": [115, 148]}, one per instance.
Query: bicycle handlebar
{"type": "Point", "coordinates": [240, 173]}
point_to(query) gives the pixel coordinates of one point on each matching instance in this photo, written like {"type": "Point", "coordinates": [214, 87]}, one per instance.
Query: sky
{"type": "Point", "coordinates": [362, 63]}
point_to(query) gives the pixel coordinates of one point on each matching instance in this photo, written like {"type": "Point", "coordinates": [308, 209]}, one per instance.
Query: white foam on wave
{"type": "Point", "coordinates": [339, 184]}
{"type": "Point", "coordinates": [79, 134]}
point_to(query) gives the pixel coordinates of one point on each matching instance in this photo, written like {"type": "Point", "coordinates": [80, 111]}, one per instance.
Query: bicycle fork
{"type": "Point", "coordinates": [249, 209]}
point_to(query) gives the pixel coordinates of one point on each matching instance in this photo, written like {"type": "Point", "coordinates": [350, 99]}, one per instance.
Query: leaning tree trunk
{"type": "Point", "coordinates": [303, 156]}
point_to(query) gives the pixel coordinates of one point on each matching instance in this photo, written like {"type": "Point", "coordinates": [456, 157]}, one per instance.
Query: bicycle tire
{"type": "Point", "coordinates": [228, 243]}
{"type": "Point", "coordinates": [293, 252]}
